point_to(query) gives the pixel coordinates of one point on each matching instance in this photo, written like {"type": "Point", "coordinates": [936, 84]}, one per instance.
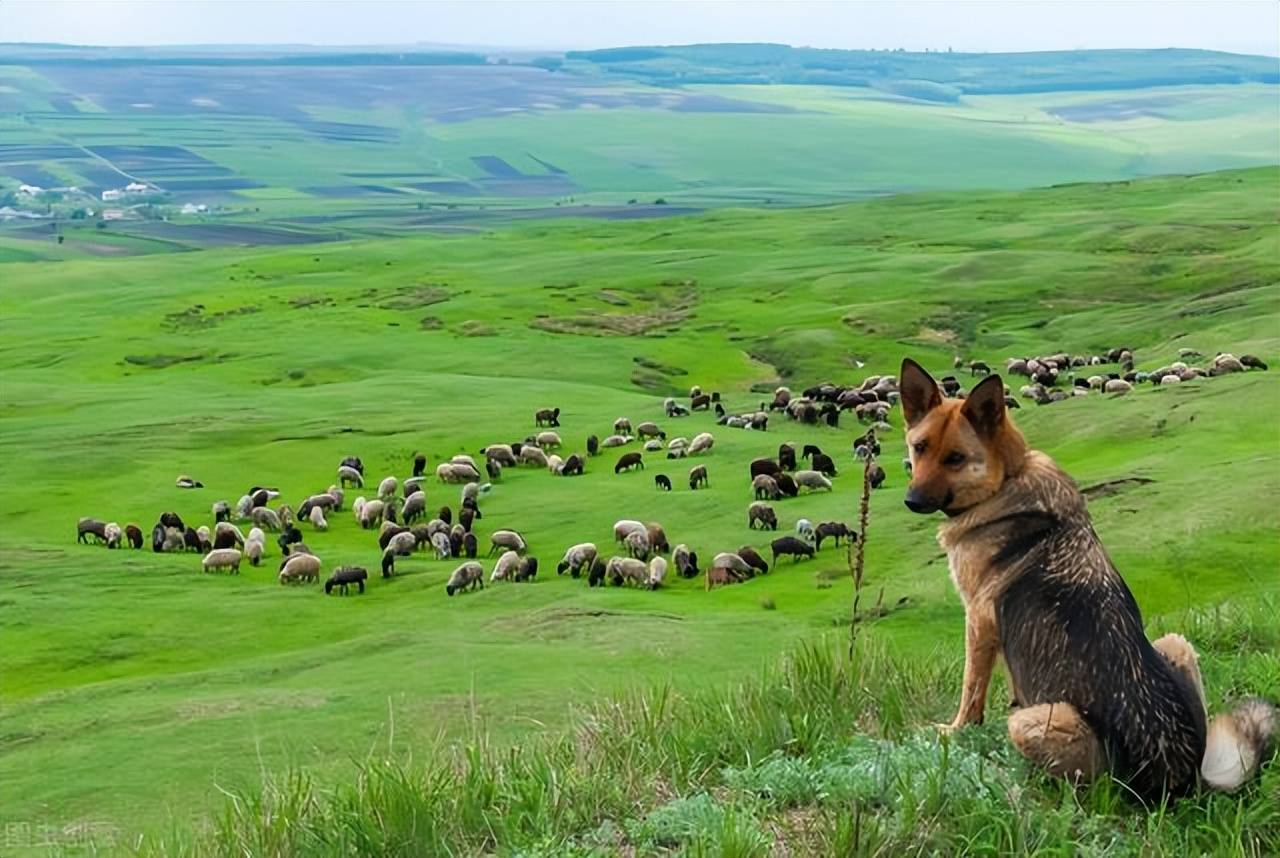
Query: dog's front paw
{"type": "Point", "coordinates": [947, 729]}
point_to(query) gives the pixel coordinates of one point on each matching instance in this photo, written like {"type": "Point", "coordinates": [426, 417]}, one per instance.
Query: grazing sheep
{"type": "Point", "coordinates": [698, 477]}
{"type": "Point", "coordinates": [456, 535]}
{"type": "Point", "coordinates": [113, 534]}
{"type": "Point", "coordinates": [787, 485]}
{"type": "Point", "coordinates": [350, 475]}
{"type": "Point", "coordinates": [875, 475]}
{"type": "Point", "coordinates": [317, 519]}
{"type": "Point", "coordinates": [468, 576]}
{"type": "Point", "coordinates": [649, 429]}
{"type": "Point", "coordinates": [979, 368]}
{"type": "Point", "coordinates": [492, 469]}
{"type": "Point", "coordinates": [573, 466]}
{"type": "Point", "coordinates": [1252, 362]}
{"type": "Point", "coordinates": [663, 482]}
{"type": "Point", "coordinates": [787, 457]}
{"type": "Point", "coordinates": [415, 506]}
{"type": "Point", "coordinates": [622, 426]}
{"type": "Point", "coordinates": [621, 570]}
{"type": "Point", "coordinates": [533, 456]}
{"type": "Point", "coordinates": [768, 467]}
{"type": "Point", "coordinates": [797, 548]}
{"type": "Point", "coordinates": [443, 546]}
{"type": "Point", "coordinates": [701, 402]}
{"type": "Point", "coordinates": [339, 496]}
{"type": "Point", "coordinates": [719, 576]}
{"type": "Point", "coordinates": [191, 539]}
{"type": "Point", "coordinates": [637, 544]}
{"type": "Point", "coordinates": [657, 572]}
{"type": "Point", "coordinates": [325, 501]}
{"type": "Point", "coordinates": [804, 529]}
{"type": "Point", "coordinates": [547, 417]}
{"type": "Point", "coordinates": [345, 576]}
{"type": "Point", "coordinates": [677, 452]}
{"type": "Point", "coordinates": [388, 487]}
{"type": "Point", "coordinates": [653, 445]}
{"type": "Point", "coordinates": [625, 526]}
{"type": "Point", "coordinates": [822, 463]}
{"type": "Point", "coordinates": [419, 467]}
{"type": "Point", "coordinates": [695, 391]}
{"type": "Point", "coordinates": [507, 539]}
{"type": "Point", "coordinates": [467, 516]}
{"type": "Point", "coordinates": [577, 558]}
{"type": "Point", "coordinates": [170, 539]}
{"type": "Point", "coordinates": [766, 488]}
{"type": "Point", "coordinates": [447, 472]}
{"type": "Point", "coordinates": [657, 537]}
{"type": "Point", "coordinates": [701, 443]}
{"type": "Point", "coordinates": [500, 453]}
{"type": "Point", "coordinates": [761, 513]}
{"type": "Point", "coordinates": [186, 482]}
{"type": "Point", "coordinates": [1116, 385]}
{"type": "Point", "coordinates": [289, 536]}
{"type": "Point", "coordinates": [266, 518]}
{"type": "Point", "coordinates": [753, 559]}
{"type": "Point", "coordinates": [357, 507]}
{"type": "Point", "coordinates": [732, 562]}
{"type": "Point", "coordinates": [505, 567]}
{"type": "Point", "coordinates": [686, 561]}
{"type": "Point", "coordinates": [400, 545]}
{"type": "Point", "coordinates": [526, 569]}
{"type": "Point", "coordinates": [371, 513]}
{"type": "Point", "coordinates": [469, 544]}
{"type": "Point", "coordinates": [205, 538]}
{"type": "Point", "coordinates": [835, 529]}
{"type": "Point", "coordinates": [629, 461]}
{"type": "Point", "coordinates": [812, 480]}
{"type": "Point", "coordinates": [222, 558]}
{"type": "Point", "coordinates": [674, 409]}
{"type": "Point", "coordinates": [227, 535]}
{"type": "Point", "coordinates": [133, 533]}
{"type": "Point", "coordinates": [300, 567]}
{"type": "Point", "coordinates": [91, 527]}
{"type": "Point", "coordinates": [548, 440]}
{"type": "Point", "coordinates": [253, 551]}
{"type": "Point", "coordinates": [616, 441]}
{"type": "Point", "coordinates": [593, 445]}
{"type": "Point", "coordinates": [221, 511]}
{"type": "Point", "coordinates": [352, 462]}
{"type": "Point", "coordinates": [555, 464]}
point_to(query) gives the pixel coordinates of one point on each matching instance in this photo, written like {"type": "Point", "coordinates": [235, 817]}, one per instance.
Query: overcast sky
{"type": "Point", "coordinates": [1243, 26]}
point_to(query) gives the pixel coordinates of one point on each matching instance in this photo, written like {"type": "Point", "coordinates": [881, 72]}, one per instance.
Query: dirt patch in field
{"type": "Point", "coordinates": [161, 361]}
{"type": "Point", "coordinates": [304, 301]}
{"type": "Point", "coordinates": [413, 297]}
{"type": "Point", "coordinates": [476, 328]}
{"type": "Point", "coordinates": [431, 323]}
{"type": "Point", "coordinates": [671, 304]}
{"type": "Point", "coordinates": [559, 623]}
{"type": "Point", "coordinates": [664, 369]}
{"type": "Point", "coordinates": [1113, 487]}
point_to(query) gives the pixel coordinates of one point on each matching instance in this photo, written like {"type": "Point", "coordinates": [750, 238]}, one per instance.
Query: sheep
{"type": "Point", "coordinates": [507, 539]}
{"type": "Point", "coordinates": [371, 513]}
{"type": "Point", "coordinates": [555, 464]}
{"type": "Point", "coordinates": [695, 391]}
{"type": "Point", "coordinates": [657, 572]}
{"type": "Point", "coordinates": [443, 546]}
{"type": "Point", "coordinates": [289, 536]}
{"type": "Point", "coordinates": [243, 507]}
{"type": "Point", "coordinates": [172, 519]}
{"type": "Point", "coordinates": [253, 551]}
{"type": "Point", "coordinates": [812, 480]}
{"type": "Point", "coordinates": [492, 469]}
{"type": "Point", "coordinates": [628, 461]}
{"type": "Point", "coordinates": [573, 466]}
{"type": "Point", "coordinates": [548, 440]}
{"type": "Point", "coordinates": [637, 544]}
{"type": "Point", "coordinates": [686, 561]}
{"type": "Point", "coordinates": [526, 569]}
{"type": "Point", "coordinates": [343, 577]}
{"type": "Point", "coordinates": [300, 567]}
{"type": "Point", "coordinates": [620, 570]}
{"type": "Point", "coordinates": [470, 493]}
{"type": "Point", "coordinates": [836, 529]}
{"type": "Point", "coordinates": [1117, 385]}
{"type": "Point", "coordinates": [317, 519]}
{"type": "Point", "coordinates": [698, 477]}
{"type": "Point", "coordinates": [354, 463]}
{"type": "Point", "coordinates": [533, 456]}
{"type": "Point", "coordinates": [469, 544]}
{"type": "Point", "coordinates": [1222, 365]}
{"type": "Point", "coordinates": [464, 460]}
{"type": "Point", "coordinates": [679, 442]}
{"type": "Point", "coordinates": [339, 496]}
{"type": "Point", "coordinates": [227, 535]}
{"type": "Point", "coordinates": [701, 443]}
{"type": "Point", "coordinates": [797, 548]}
{"type": "Point", "coordinates": [113, 534]}
{"type": "Point", "coordinates": [350, 475]}
{"type": "Point", "coordinates": [400, 545]}
{"type": "Point", "coordinates": [325, 501]}
{"type": "Point", "coordinates": [763, 514]}
{"type": "Point", "coordinates": [649, 429]}
{"type": "Point", "coordinates": [624, 527]}
{"type": "Point", "coordinates": [357, 507]}
{"type": "Point", "coordinates": [467, 517]}
{"type": "Point", "coordinates": [593, 445]}
{"type": "Point", "coordinates": [787, 485]}
{"type": "Point", "coordinates": [977, 367]}
{"type": "Point", "coordinates": [266, 518]}
{"type": "Point", "coordinates": [731, 561]}
{"type": "Point", "coordinates": [823, 464]}
{"type": "Point", "coordinates": [222, 558]}
{"type": "Point", "coordinates": [718, 576]}
{"type": "Point", "coordinates": [91, 527]}
{"type": "Point", "coordinates": [768, 467]}
{"type": "Point", "coordinates": [500, 453]}
{"type": "Point", "coordinates": [388, 487]}
{"type": "Point", "coordinates": [653, 445]}
{"type": "Point", "coordinates": [133, 533]}
{"type": "Point", "coordinates": [256, 534]}
{"type": "Point", "coordinates": [415, 506]}
{"type": "Point", "coordinates": [547, 417]}
{"type": "Point", "coordinates": [622, 426]}
{"type": "Point", "coordinates": [191, 539]}
{"type": "Point", "coordinates": [186, 482]}
{"type": "Point", "coordinates": [766, 488]}
{"type": "Point", "coordinates": [1252, 362]}
{"type": "Point", "coordinates": [701, 402]}
{"type": "Point", "coordinates": [170, 539]}
{"type": "Point", "coordinates": [677, 452]}
{"type": "Point", "coordinates": [577, 558]}
{"type": "Point", "coordinates": [753, 559]}
{"type": "Point", "coordinates": [447, 472]}
{"type": "Point", "coordinates": [663, 482]}
{"type": "Point", "coordinates": [804, 530]}
{"type": "Point", "coordinates": [466, 577]}
{"type": "Point", "coordinates": [505, 567]}
{"type": "Point", "coordinates": [616, 441]}
{"type": "Point", "coordinates": [221, 511]}
{"type": "Point", "coordinates": [674, 409]}
{"type": "Point", "coordinates": [875, 475]}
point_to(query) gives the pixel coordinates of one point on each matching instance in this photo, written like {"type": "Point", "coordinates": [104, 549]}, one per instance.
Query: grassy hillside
{"type": "Point", "coordinates": [135, 687]}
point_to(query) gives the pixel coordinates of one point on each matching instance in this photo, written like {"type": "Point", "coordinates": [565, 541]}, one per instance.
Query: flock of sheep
{"type": "Point", "coordinates": [399, 513]}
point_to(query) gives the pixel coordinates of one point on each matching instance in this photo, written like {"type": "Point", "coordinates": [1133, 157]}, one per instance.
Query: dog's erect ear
{"type": "Point", "coordinates": [920, 393]}
{"type": "Point", "coordinates": [984, 408]}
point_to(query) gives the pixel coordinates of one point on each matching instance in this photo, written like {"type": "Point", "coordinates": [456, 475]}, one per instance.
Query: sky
{"type": "Point", "coordinates": [1241, 26]}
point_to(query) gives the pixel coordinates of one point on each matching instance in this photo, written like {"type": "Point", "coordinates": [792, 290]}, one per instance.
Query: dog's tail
{"type": "Point", "coordinates": [1237, 744]}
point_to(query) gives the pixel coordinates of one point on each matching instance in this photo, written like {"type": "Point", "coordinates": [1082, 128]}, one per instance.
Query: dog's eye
{"type": "Point", "coordinates": [919, 447]}
{"type": "Point", "coordinates": [954, 459]}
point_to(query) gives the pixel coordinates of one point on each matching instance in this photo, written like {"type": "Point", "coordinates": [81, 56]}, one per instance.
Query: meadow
{"type": "Point", "coordinates": [137, 691]}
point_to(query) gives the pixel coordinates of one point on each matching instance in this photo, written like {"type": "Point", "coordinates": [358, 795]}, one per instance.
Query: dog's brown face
{"type": "Point", "coordinates": [961, 450]}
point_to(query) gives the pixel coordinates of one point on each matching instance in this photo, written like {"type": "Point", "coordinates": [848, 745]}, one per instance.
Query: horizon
{"type": "Point", "coordinates": [996, 26]}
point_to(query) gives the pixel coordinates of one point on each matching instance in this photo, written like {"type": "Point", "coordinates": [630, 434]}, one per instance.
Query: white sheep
{"type": "Point", "coordinates": [622, 426]}
{"type": "Point", "coordinates": [387, 488]}
{"type": "Point", "coordinates": [701, 443]}
{"type": "Point", "coordinates": [730, 560]}
{"type": "Point", "coordinates": [317, 519]}
{"type": "Point", "coordinates": [300, 567]}
{"type": "Point", "coordinates": [371, 513]}
{"type": "Point", "coordinates": [348, 474]}
{"type": "Point", "coordinates": [500, 453]}
{"type": "Point", "coordinates": [203, 534]}
{"type": "Point", "coordinates": [357, 508]}
{"type": "Point", "coordinates": [505, 567]}
{"type": "Point", "coordinates": [253, 550]}
{"type": "Point", "coordinates": [548, 440]}
{"type": "Point", "coordinates": [657, 571]}
{"type": "Point", "coordinates": [678, 443]}
{"type": "Point", "coordinates": [464, 459]}
{"type": "Point", "coordinates": [1117, 385]}
{"type": "Point", "coordinates": [466, 576]}
{"type": "Point", "coordinates": [243, 507]}
{"type": "Point", "coordinates": [625, 526]}
{"type": "Point", "coordinates": [265, 517]}
{"type": "Point", "coordinates": [114, 533]}
{"type": "Point", "coordinates": [812, 480]}
{"type": "Point", "coordinates": [338, 496]}
{"type": "Point", "coordinates": [616, 441]}
{"type": "Point", "coordinates": [222, 558]}
{"type": "Point", "coordinates": [414, 506]}
{"type": "Point", "coordinates": [470, 492]}
{"type": "Point", "coordinates": [255, 535]}
{"type": "Point", "coordinates": [555, 464]}
{"type": "Point", "coordinates": [623, 569]}
{"type": "Point", "coordinates": [653, 445]}
{"type": "Point", "coordinates": [577, 558]}
{"type": "Point", "coordinates": [637, 543]}
{"type": "Point", "coordinates": [533, 456]}
{"type": "Point", "coordinates": [804, 529]}
{"type": "Point", "coordinates": [508, 539]}
{"type": "Point", "coordinates": [440, 542]}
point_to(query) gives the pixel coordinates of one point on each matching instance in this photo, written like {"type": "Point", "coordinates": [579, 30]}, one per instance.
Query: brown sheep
{"type": "Point", "coordinates": [629, 461]}
{"type": "Point", "coordinates": [698, 477]}
{"type": "Point", "coordinates": [657, 537]}
{"type": "Point", "coordinates": [762, 514]}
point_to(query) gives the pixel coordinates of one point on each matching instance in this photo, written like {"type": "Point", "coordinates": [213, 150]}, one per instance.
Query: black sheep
{"type": "Point", "coordinates": [836, 529]}
{"type": "Point", "coordinates": [792, 545]}
{"type": "Point", "coordinates": [595, 577]}
{"type": "Point", "coordinates": [700, 403]}
{"type": "Point", "coordinates": [810, 450]}
{"type": "Point", "coordinates": [832, 415]}
{"type": "Point", "coordinates": [766, 466]}
{"type": "Point", "coordinates": [260, 497]}
{"type": "Point", "coordinates": [419, 465]}
{"type": "Point", "coordinates": [172, 519]}
{"type": "Point", "coordinates": [787, 484]}
{"type": "Point", "coordinates": [289, 536]}
{"type": "Point", "coordinates": [698, 478]}
{"type": "Point", "coordinates": [876, 476]}
{"type": "Point", "coordinates": [547, 417]}
{"type": "Point", "coordinates": [445, 514]}
{"type": "Point", "coordinates": [191, 539]}
{"type": "Point", "coordinates": [787, 457]}
{"type": "Point", "coordinates": [157, 538]}
{"type": "Point", "coordinates": [134, 534]}
{"type": "Point", "coordinates": [470, 503]}
{"type": "Point", "coordinates": [663, 482]}
{"type": "Point", "coordinates": [629, 461]}
{"type": "Point", "coordinates": [344, 576]}
{"type": "Point", "coordinates": [593, 445]}
{"type": "Point", "coordinates": [469, 546]}
{"type": "Point", "coordinates": [493, 469]}
{"type": "Point", "coordinates": [686, 564]}
{"type": "Point", "coordinates": [526, 569]}
{"type": "Point", "coordinates": [466, 516]}
{"type": "Point", "coordinates": [93, 527]}
{"type": "Point", "coordinates": [573, 466]}
{"type": "Point", "coordinates": [353, 462]}
{"type": "Point", "coordinates": [226, 539]}
{"type": "Point", "coordinates": [753, 559]}
{"type": "Point", "coordinates": [822, 462]}
{"type": "Point", "coordinates": [388, 565]}
{"type": "Point", "coordinates": [719, 410]}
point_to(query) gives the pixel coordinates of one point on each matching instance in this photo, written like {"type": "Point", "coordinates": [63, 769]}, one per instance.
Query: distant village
{"type": "Point", "coordinates": [133, 201]}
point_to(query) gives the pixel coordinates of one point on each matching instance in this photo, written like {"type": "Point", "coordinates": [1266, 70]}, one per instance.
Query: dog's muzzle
{"type": "Point", "coordinates": [918, 501]}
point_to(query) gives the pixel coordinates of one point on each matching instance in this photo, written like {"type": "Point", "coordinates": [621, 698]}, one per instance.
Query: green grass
{"type": "Point", "coordinates": [136, 689]}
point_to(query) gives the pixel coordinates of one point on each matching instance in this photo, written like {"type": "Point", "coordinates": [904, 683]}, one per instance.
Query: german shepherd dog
{"type": "Point", "coordinates": [1092, 693]}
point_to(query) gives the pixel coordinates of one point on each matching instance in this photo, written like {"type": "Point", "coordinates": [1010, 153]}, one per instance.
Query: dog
{"type": "Point", "coordinates": [1091, 692]}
